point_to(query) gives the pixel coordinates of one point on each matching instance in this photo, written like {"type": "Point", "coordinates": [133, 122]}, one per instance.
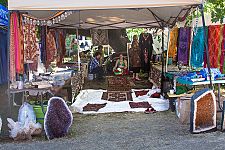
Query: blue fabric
{"type": "Point", "coordinates": [197, 51]}
{"type": "Point", "coordinates": [215, 71]}
{"type": "Point", "coordinates": [93, 64]}
{"type": "Point", "coordinates": [3, 57]}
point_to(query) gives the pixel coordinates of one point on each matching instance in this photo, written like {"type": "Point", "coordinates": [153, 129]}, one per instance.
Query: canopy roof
{"type": "Point", "coordinates": [108, 14]}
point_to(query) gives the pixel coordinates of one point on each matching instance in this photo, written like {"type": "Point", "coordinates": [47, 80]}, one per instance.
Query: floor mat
{"type": "Point", "coordinates": [140, 105]}
{"type": "Point", "coordinates": [141, 93]}
{"type": "Point", "coordinates": [93, 107]}
{"type": "Point", "coordinates": [117, 96]}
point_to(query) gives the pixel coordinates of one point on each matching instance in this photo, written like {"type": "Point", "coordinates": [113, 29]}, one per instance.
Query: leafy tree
{"type": "Point", "coordinates": [216, 8]}
{"type": "Point", "coordinates": [4, 2]}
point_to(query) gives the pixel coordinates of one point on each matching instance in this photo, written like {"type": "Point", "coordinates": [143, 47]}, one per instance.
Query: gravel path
{"type": "Point", "coordinates": [126, 131]}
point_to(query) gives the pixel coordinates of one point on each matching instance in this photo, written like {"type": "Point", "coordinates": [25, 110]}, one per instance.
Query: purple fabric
{"type": "Point", "coordinates": [184, 45]}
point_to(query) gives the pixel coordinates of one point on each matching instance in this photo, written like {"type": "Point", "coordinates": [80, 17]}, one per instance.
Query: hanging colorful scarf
{"type": "Point", "coordinates": [184, 45]}
{"type": "Point", "coordinates": [214, 45]}
{"type": "Point", "coordinates": [173, 43]}
{"type": "Point", "coordinates": [12, 49]}
{"type": "Point", "coordinates": [197, 51]}
{"type": "Point", "coordinates": [222, 62]}
{"type": "Point", "coordinates": [43, 44]}
{"type": "Point", "coordinates": [50, 48]}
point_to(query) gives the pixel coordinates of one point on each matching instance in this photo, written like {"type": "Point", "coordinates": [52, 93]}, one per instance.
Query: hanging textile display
{"type": "Point", "coordinates": [61, 46]}
{"type": "Point", "coordinates": [214, 45]}
{"type": "Point", "coordinates": [99, 37]}
{"type": "Point", "coordinates": [173, 43]}
{"type": "Point", "coordinates": [3, 57]}
{"type": "Point", "coordinates": [30, 46]}
{"type": "Point", "coordinates": [222, 62]}
{"type": "Point", "coordinates": [16, 47]}
{"type": "Point", "coordinates": [197, 50]}
{"type": "Point", "coordinates": [43, 44]}
{"type": "Point", "coordinates": [145, 43]}
{"type": "Point", "coordinates": [50, 48]}
{"type": "Point", "coordinates": [184, 45]}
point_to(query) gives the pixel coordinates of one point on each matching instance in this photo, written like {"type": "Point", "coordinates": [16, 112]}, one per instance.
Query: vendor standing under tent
{"type": "Point", "coordinates": [135, 54]}
{"type": "Point", "coordinates": [95, 67]}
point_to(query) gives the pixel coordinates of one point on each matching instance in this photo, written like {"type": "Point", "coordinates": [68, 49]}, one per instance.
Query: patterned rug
{"type": "Point", "coordinates": [118, 83]}
{"type": "Point", "coordinates": [117, 96]}
{"type": "Point", "coordinates": [141, 93]}
{"type": "Point", "coordinates": [140, 105]}
{"type": "Point", "coordinates": [93, 107]}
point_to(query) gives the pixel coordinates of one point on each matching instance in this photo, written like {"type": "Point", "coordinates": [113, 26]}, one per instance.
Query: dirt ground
{"type": "Point", "coordinates": [124, 131]}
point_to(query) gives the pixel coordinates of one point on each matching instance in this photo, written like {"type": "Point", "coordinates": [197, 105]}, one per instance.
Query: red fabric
{"type": "Point", "coordinates": [140, 105]}
{"type": "Point", "coordinates": [214, 46]}
{"type": "Point", "coordinates": [155, 95]}
{"type": "Point", "coordinates": [50, 48]}
{"type": "Point", "coordinates": [222, 51]}
{"type": "Point", "coordinates": [141, 93]}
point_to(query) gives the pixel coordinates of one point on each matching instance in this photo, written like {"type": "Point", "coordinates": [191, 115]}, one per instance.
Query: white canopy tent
{"type": "Point", "coordinates": [111, 14]}
{"type": "Point", "coordinates": [108, 14]}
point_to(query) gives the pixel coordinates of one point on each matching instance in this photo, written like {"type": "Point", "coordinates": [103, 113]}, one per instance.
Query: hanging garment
{"type": "Point", "coordinates": [173, 43]}
{"type": "Point", "coordinates": [61, 46]}
{"type": "Point", "coordinates": [3, 57]}
{"type": "Point", "coordinates": [43, 44]}
{"type": "Point", "coordinates": [135, 54]}
{"type": "Point", "coordinates": [50, 48]}
{"type": "Point", "coordinates": [145, 44]}
{"type": "Point", "coordinates": [99, 37]}
{"type": "Point", "coordinates": [222, 65]}
{"type": "Point", "coordinates": [16, 47]}
{"type": "Point", "coordinates": [214, 45]}
{"type": "Point", "coordinates": [30, 43]}
{"type": "Point", "coordinates": [184, 45]}
{"type": "Point", "coordinates": [197, 50]}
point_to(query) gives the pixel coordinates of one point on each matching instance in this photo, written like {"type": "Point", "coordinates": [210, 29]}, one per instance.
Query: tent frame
{"type": "Point", "coordinates": [162, 25]}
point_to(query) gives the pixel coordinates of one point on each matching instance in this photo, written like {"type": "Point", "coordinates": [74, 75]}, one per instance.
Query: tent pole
{"type": "Point", "coordinates": [78, 50]}
{"type": "Point", "coordinates": [206, 45]}
{"type": "Point", "coordinates": [162, 57]}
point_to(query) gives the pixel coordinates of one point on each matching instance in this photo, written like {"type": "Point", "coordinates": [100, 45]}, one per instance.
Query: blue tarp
{"type": "Point", "coordinates": [3, 16]}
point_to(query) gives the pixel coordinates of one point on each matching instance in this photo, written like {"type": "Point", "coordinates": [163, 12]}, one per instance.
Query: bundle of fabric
{"type": "Point", "coordinates": [58, 118]}
{"type": "Point", "coordinates": [203, 111]}
{"type": "Point", "coordinates": [26, 126]}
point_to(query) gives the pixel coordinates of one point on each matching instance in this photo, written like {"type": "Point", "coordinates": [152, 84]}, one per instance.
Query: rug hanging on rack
{"type": "Point", "coordinates": [184, 45]}
{"type": "Point", "coordinates": [197, 51]}
{"type": "Point", "coordinates": [43, 44]}
{"type": "Point", "coordinates": [99, 37]}
{"type": "Point", "coordinates": [173, 43]}
{"type": "Point", "coordinates": [214, 45]}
